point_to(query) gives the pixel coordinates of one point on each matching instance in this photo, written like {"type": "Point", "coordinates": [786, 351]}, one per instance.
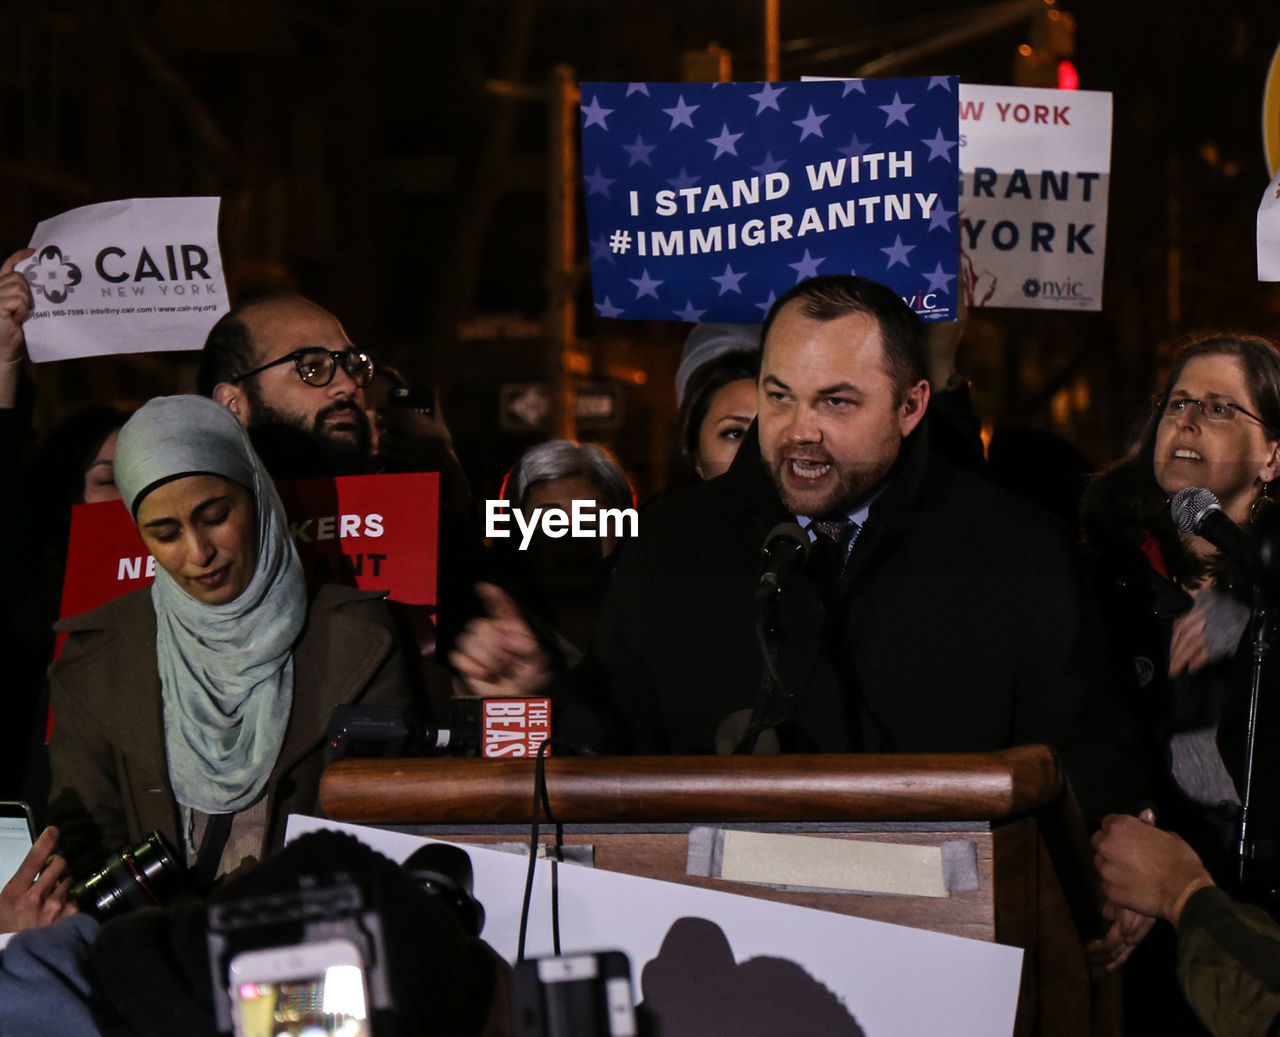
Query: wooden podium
{"type": "Point", "coordinates": [1035, 886]}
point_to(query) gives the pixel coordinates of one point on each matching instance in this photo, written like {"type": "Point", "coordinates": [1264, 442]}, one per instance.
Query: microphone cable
{"type": "Point", "coordinates": [542, 806]}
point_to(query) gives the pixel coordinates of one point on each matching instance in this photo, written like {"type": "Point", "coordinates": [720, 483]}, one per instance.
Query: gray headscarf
{"type": "Point", "coordinates": [226, 671]}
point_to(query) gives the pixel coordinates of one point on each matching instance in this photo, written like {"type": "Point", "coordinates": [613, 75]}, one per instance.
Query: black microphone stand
{"type": "Point", "coordinates": [769, 636]}
{"type": "Point", "coordinates": [793, 544]}
{"type": "Point", "coordinates": [1196, 510]}
{"type": "Point", "coordinates": [1260, 639]}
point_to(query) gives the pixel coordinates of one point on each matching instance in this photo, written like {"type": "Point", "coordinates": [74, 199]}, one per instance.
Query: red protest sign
{"type": "Point", "coordinates": [376, 532]}
{"type": "Point", "coordinates": [105, 557]}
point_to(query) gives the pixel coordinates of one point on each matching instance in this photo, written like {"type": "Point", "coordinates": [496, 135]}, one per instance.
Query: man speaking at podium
{"type": "Point", "coordinates": [916, 609]}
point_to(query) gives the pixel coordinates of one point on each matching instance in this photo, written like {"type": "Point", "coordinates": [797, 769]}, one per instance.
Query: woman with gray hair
{"type": "Point", "coordinates": [564, 459]}
{"type": "Point", "coordinates": [560, 582]}
{"type": "Point", "coordinates": [198, 706]}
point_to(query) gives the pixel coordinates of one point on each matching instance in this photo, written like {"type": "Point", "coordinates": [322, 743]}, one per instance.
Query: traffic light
{"type": "Point", "coordinates": [1044, 60]}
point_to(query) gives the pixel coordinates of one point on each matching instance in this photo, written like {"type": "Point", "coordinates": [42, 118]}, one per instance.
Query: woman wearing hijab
{"type": "Point", "coordinates": [198, 706]}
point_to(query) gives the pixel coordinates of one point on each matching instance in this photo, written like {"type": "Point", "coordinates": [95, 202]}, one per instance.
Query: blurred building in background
{"type": "Point", "coordinates": [404, 163]}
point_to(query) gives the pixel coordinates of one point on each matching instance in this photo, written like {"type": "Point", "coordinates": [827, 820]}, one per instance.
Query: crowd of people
{"type": "Point", "coordinates": [934, 611]}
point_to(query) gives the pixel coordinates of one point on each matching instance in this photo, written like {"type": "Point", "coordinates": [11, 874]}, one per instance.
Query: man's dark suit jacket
{"type": "Point", "coordinates": [961, 626]}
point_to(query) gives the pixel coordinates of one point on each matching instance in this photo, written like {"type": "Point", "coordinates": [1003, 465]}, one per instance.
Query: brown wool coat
{"type": "Point", "coordinates": [110, 783]}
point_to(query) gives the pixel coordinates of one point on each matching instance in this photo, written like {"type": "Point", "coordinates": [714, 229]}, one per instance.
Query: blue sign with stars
{"type": "Point", "coordinates": [706, 201]}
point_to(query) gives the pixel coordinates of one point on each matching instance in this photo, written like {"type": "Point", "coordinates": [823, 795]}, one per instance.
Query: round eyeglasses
{"type": "Point", "coordinates": [1212, 410]}
{"type": "Point", "coordinates": [318, 366]}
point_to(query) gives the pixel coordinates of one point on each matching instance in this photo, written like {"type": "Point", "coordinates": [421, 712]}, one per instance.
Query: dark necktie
{"type": "Point", "coordinates": [830, 550]}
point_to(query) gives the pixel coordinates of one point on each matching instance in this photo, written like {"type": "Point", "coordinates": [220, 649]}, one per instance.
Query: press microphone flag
{"type": "Point", "coordinates": [514, 727]}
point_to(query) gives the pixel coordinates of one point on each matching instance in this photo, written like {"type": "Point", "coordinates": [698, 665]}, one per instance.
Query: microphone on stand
{"type": "Point", "coordinates": [1197, 511]}
{"type": "Point", "coordinates": [785, 549]}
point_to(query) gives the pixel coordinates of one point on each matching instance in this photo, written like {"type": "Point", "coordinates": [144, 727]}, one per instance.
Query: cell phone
{"type": "Point", "coordinates": [17, 833]}
{"type": "Point", "coordinates": [314, 988]}
{"type": "Point", "coordinates": [574, 995]}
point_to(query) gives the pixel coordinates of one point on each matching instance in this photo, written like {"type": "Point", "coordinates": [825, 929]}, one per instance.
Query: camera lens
{"type": "Point", "coordinates": [445, 872]}
{"type": "Point", "coordinates": [147, 874]}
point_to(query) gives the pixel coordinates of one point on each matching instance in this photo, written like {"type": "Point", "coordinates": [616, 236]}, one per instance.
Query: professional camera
{"type": "Point", "coordinates": [444, 871]}
{"type": "Point", "coordinates": [145, 875]}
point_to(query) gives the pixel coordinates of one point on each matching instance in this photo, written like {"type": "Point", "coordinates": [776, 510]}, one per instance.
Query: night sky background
{"type": "Point", "coordinates": [389, 158]}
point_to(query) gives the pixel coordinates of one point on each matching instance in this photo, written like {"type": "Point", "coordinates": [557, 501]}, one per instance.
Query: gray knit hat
{"type": "Point", "coordinates": [708, 341]}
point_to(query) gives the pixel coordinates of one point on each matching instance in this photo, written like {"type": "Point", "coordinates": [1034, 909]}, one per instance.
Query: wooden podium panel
{"type": "Point", "coordinates": [1035, 886]}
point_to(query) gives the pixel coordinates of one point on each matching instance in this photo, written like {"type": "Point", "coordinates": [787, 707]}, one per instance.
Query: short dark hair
{"type": "Point", "coordinates": [902, 333]}
{"type": "Point", "coordinates": [229, 350]}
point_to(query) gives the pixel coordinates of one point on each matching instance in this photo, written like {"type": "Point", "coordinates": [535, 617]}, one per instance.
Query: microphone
{"type": "Point", "coordinates": [785, 549]}
{"type": "Point", "coordinates": [492, 728]}
{"type": "Point", "coordinates": [1197, 511]}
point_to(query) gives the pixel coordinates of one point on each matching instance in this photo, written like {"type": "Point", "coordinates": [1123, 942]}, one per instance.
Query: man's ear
{"type": "Point", "coordinates": [914, 404]}
{"type": "Point", "coordinates": [232, 397]}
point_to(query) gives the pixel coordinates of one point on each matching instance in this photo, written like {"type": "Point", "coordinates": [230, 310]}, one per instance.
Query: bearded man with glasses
{"type": "Point", "coordinates": [286, 368]}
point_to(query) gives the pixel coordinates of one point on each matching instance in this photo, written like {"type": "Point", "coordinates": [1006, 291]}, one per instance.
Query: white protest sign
{"type": "Point", "coordinates": [884, 980]}
{"type": "Point", "coordinates": [137, 276]}
{"type": "Point", "coordinates": [1269, 232]}
{"type": "Point", "coordinates": [1035, 170]}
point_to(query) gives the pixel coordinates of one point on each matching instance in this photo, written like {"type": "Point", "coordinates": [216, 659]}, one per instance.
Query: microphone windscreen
{"type": "Point", "coordinates": [789, 533]}
{"type": "Point", "coordinates": [1190, 506]}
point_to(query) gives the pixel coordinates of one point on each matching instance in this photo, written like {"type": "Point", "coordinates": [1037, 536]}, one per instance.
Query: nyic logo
{"type": "Point", "coordinates": [922, 301]}
{"type": "Point", "coordinates": [1070, 290]}
{"type": "Point", "coordinates": [52, 274]}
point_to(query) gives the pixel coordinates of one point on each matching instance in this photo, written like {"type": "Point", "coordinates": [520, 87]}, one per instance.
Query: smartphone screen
{"type": "Point", "coordinates": [314, 989]}
{"type": "Point", "coordinates": [15, 838]}
{"type": "Point", "coordinates": [573, 994]}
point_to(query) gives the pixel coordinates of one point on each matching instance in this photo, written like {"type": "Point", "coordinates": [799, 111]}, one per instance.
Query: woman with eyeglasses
{"type": "Point", "coordinates": [1177, 609]}
{"type": "Point", "coordinates": [198, 706]}
{"type": "Point", "coordinates": [1176, 612]}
